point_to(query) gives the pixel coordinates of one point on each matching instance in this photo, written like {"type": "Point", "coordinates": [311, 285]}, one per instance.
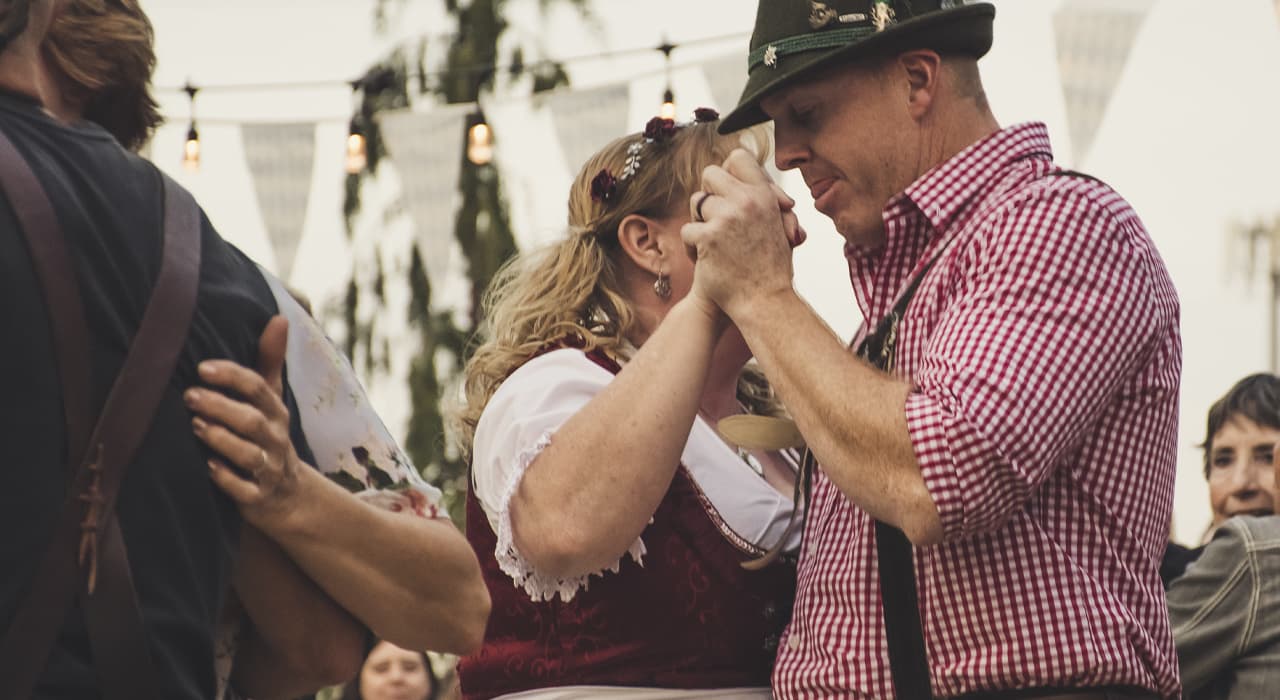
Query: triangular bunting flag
{"type": "Point", "coordinates": [1093, 38]}
{"type": "Point", "coordinates": [426, 148]}
{"type": "Point", "coordinates": [726, 77]}
{"type": "Point", "coordinates": [280, 158]}
{"type": "Point", "coordinates": [588, 119]}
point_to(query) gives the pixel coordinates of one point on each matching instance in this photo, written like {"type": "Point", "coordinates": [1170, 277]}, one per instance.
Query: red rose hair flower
{"type": "Point", "coordinates": [603, 186]}
{"type": "Point", "coordinates": [659, 129]}
{"type": "Point", "coordinates": [702, 115]}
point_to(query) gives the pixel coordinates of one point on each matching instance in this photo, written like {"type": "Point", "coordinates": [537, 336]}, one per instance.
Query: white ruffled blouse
{"type": "Point", "coordinates": [521, 419]}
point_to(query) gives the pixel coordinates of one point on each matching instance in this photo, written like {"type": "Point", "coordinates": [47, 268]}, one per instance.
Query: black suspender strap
{"type": "Point", "coordinates": [908, 659]}
{"type": "Point", "coordinates": [904, 632]}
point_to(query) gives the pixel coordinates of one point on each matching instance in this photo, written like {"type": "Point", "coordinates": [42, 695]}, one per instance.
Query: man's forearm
{"type": "Point", "coordinates": [851, 414]}
{"type": "Point", "coordinates": [415, 582]}
{"type": "Point", "coordinates": [297, 638]}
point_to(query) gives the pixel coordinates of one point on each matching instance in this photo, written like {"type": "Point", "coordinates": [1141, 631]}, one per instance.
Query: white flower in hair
{"type": "Point", "coordinates": [632, 163]}
{"type": "Point", "coordinates": [661, 129]}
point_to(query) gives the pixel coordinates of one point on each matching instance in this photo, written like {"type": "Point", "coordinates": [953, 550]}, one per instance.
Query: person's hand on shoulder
{"type": "Point", "coordinates": [260, 469]}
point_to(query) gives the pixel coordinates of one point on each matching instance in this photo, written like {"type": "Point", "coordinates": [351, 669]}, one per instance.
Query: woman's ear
{"type": "Point", "coordinates": [638, 237]}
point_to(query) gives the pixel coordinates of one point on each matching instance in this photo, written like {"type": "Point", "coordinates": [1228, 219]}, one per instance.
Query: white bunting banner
{"type": "Point", "coordinates": [280, 159]}
{"type": "Point", "coordinates": [726, 77]}
{"type": "Point", "coordinates": [426, 148]}
{"type": "Point", "coordinates": [588, 119]}
{"type": "Point", "coordinates": [1094, 40]}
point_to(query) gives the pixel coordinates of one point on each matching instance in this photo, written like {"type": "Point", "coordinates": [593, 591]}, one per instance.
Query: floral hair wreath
{"type": "Point", "coordinates": [604, 186]}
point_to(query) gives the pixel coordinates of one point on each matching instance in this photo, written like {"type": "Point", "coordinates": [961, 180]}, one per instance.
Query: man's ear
{"type": "Point", "coordinates": [638, 237]}
{"type": "Point", "coordinates": [921, 68]}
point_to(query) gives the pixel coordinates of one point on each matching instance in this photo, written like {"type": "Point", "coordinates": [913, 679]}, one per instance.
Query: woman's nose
{"type": "Point", "coordinates": [1246, 479]}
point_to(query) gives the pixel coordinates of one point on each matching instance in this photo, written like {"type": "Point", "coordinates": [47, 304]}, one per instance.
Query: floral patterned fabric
{"type": "Point", "coordinates": [347, 438]}
{"type": "Point", "coordinates": [350, 443]}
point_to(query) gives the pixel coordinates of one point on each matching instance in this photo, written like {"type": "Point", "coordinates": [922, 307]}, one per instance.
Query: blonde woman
{"type": "Point", "coordinates": [610, 518]}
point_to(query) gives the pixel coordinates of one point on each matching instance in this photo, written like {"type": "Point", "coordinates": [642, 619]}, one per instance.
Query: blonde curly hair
{"type": "Point", "coordinates": [570, 290]}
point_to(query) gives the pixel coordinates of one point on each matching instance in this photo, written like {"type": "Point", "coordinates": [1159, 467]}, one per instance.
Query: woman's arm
{"type": "Point", "coordinates": [414, 581]}
{"type": "Point", "coordinates": [587, 497]}
{"type": "Point", "coordinates": [297, 638]}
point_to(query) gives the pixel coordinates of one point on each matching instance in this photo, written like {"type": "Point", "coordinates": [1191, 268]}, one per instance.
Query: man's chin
{"type": "Point", "coordinates": [860, 236]}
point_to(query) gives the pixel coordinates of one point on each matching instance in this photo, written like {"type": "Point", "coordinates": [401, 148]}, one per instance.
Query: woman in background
{"type": "Point", "coordinates": [1225, 609]}
{"type": "Point", "coordinates": [392, 673]}
{"type": "Point", "coordinates": [369, 545]}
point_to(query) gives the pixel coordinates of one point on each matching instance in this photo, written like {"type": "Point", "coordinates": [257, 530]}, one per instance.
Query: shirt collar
{"type": "Point", "coordinates": [951, 186]}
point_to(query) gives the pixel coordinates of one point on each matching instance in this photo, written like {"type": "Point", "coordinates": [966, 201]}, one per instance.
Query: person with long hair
{"type": "Point", "coordinates": [370, 546]}
{"type": "Point", "coordinates": [611, 518]}
{"type": "Point", "coordinates": [102, 53]}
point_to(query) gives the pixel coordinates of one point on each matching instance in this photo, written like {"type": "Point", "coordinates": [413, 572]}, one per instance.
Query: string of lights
{"type": "Point", "coordinates": [476, 68]}
{"type": "Point", "coordinates": [480, 137]}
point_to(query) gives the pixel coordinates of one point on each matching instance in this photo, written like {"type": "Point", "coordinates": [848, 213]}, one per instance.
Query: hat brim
{"type": "Point", "coordinates": [965, 30]}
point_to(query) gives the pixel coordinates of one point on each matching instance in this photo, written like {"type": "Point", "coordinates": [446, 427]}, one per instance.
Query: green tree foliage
{"type": "Point", "coordinates": [481, 228]}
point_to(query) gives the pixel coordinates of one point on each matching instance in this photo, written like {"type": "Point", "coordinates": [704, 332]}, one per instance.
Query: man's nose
{"type": "Point", "coordinates": [789, 153]}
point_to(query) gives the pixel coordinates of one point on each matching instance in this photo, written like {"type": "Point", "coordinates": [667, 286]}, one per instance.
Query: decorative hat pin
{"type": "Point", "coordinates": [820, 15]}
{"type": "Point", "coordinates": [882, 14]}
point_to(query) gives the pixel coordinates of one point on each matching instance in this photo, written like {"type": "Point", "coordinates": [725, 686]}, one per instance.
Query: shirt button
{"type": "Point", "coordinates": [793, 642]}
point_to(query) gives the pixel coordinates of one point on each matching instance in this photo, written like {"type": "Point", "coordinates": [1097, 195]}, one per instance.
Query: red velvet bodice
{"type": "Point", "coordinates": [690, 617]}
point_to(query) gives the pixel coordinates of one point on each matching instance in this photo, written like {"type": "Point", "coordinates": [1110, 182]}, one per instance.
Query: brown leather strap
{"type": "Point", "coordinates": [114, 620]}
{"type": "Point", "coordinates": [86, 529]}
{"type": "Point", "coordinates": [52, 261]}
{"type": "Point", "coordinates": [37, 621]}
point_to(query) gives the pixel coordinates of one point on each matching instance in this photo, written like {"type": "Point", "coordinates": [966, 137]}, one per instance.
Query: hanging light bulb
{"type": "Point", "coordinates": [668, 110]}
{"type": "Point", "coordinates": [357, 153]}
{"type": "Point", "coordinates": [357, 144]}
{"type": "Point", "coordinates": [479, 139]}
{"type": "Point", "coordinates": [191, 149]}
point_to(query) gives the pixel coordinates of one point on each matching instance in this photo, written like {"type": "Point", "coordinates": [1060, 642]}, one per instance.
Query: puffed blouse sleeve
{"type": "Point", "coordinates": [351, 445]}
{"type": "Point", "coordinates": [517, 424]}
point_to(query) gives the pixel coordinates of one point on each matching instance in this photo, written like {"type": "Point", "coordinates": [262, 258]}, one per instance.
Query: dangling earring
{"type": "Point", "coordinates": [662, 286]}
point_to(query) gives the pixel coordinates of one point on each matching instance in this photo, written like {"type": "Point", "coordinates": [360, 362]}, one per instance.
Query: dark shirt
{"type": "Point", "coordinates": [180, 530]}
{"type": "Point", "coordinates": [1175, 561]}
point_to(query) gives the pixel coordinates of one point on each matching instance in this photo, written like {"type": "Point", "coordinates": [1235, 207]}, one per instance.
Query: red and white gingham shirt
{"type": "Point", "coordinates": [1044, 351]}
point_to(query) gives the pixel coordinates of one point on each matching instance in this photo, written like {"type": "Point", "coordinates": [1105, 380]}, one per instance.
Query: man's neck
{"type": "Point", "coordinates": [965, 124]}
{"type": "Point", "coordinates": [22, 71]}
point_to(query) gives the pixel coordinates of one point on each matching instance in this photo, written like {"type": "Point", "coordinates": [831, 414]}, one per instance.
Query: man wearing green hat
{"type": "Point", "coordinates": [996, 461]}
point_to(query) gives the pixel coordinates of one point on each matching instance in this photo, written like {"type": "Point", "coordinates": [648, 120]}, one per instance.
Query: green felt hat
{"type": "Point", "coordinates": [797, 39]}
